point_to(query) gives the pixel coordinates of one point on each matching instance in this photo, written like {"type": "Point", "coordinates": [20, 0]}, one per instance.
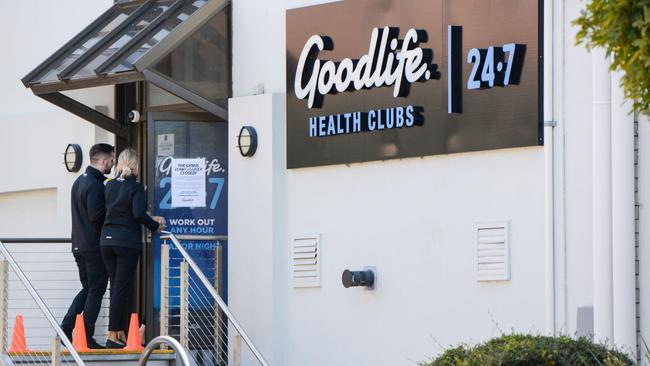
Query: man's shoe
{"type": "Point", "coordinates": [92, 344]}
{"type": "Point", "coordinates": [67, 332]}
{"type": "Point", "coordinates": [110, 344]}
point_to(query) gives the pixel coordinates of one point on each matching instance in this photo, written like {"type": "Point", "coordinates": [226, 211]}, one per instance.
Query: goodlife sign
{"type": "Point", "coordinates": [383, 79]}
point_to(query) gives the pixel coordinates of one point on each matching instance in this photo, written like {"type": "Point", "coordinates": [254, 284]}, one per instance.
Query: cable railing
{"type": "Point", "coordinates": [193, 311]}
{"type": "Point", "coordinates": [34, 337]}
{"type": "Point", "coordinates": [51, 269]}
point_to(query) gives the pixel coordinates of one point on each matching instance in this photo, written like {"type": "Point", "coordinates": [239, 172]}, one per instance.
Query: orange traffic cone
{"type": "Point", "coordinates": [18, 342]}
{"type": "Point", "coordinates": [134, 342]}
{"type": "Point", "coordinates": [79, 341]}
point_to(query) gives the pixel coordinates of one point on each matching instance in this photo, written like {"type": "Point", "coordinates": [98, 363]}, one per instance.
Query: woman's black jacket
{"type": "Point", "coordinates": [126, 212]}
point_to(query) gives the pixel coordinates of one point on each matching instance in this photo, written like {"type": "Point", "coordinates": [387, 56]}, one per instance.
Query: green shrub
{"type": "Point", "coordinates": [519, 349]}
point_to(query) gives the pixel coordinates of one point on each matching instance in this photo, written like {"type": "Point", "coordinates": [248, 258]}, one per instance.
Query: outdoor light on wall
{"type": "Point", "coordinates": [72, 158]}
{"type": "Point", "coordinates": [247, 141]}
{"type": "Point", "coordinates": [365, 278]}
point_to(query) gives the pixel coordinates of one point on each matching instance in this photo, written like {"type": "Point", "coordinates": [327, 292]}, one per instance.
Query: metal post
{"type": "Point", "coordinates": [236, 350]}
{"type": "Point", "coordinates": [184, 321]}
{"type": "Point", "coordinates": [164, 289]}
{"type": "Point", "coordinates": [56, 351]}
{"type": "Point", "coordinates": [4, 292]}
{"type": "Point", "coordinates": [219, 343]}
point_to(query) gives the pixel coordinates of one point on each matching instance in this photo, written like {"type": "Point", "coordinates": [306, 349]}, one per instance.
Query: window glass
{"type": "Point", "coordinates": [158, 97]}
{"type": "Point", "coordinates": [132, 29]}
{"type": "Point", "coordinates": [119, 15]}
{"type": "Point", "coordinates": [201, 63]}
{"type": "Point", "coordinates": [167, 27]}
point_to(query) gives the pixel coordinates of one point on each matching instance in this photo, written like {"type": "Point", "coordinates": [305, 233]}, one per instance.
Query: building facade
{"type": "Point", "coordinates": [569, 211]}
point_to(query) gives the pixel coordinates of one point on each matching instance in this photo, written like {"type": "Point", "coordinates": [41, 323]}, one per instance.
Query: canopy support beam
{"type": "Point", "coordinates": [86, 113]}
{"type": "Point", "coordinates": [172, 87]}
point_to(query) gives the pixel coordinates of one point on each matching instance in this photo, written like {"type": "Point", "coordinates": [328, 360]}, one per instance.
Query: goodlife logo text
{"type": "Point", "coordinates": [389, 61]}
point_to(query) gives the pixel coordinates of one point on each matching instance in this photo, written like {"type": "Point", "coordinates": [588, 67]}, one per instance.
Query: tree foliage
{"type": "Point", "coordinates": [622, 28]}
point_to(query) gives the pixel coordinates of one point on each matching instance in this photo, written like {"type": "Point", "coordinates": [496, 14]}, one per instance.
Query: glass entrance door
{"type": "Point", "coordinates": [205, 220]}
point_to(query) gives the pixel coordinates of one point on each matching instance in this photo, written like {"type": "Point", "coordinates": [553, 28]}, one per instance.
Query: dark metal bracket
{"type": "Point", "coordinates": [86, 113]}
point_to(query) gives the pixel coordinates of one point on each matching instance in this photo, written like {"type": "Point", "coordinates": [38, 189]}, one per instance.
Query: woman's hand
{"type": "Point", "coordinates": [162, 223]}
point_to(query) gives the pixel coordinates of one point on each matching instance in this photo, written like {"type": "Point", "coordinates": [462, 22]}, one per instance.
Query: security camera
{"type": "Point", "coordinates": [134, 116]}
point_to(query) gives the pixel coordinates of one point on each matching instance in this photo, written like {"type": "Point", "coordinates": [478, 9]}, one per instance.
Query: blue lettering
{"type": "Point", "coordinates": [371, 122]}
{"type": "Point", "coordinates": [409, 116]}
{"type": "Point", "coordinates": [321, 126]}
{"type": "Point", "coordinates": [330, 127]}
{"type": "Point", "coordinates": [356, 122]}
{"type": "Point", "coordinates": [399, 118]}
{"type": "Point", "coordinates": [380, 122]}
{"type": "Point", "coordinates": [347, 122]}
{"type": "Point", "coordinates": [312, 127]}
{"type": "Point", "coordinates": [390, 118]}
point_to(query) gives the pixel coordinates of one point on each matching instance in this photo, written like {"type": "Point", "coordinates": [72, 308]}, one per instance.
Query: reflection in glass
{"type": "Point", "coordinates": [201, 63]}
{"type": "Point", "coordinates": [119, 16]}
{"type": "Point", "coordinates": [132, 29]}
{"type": "Point", "coordinates": [167, 27]}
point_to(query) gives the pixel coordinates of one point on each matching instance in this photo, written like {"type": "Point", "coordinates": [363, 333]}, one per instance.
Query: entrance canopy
{"type": "Point", "coordinates": [181, 46]}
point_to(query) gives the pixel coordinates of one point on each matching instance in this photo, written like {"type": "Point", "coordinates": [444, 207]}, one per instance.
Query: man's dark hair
{"type": "Point", "coordinates": [98, 150]}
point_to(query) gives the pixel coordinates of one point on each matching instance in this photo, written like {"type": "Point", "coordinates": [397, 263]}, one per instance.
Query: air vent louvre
{"type": "Point", "coordinates": [305, 261]}
{"type": "Point", "coordinates": [493, 252]}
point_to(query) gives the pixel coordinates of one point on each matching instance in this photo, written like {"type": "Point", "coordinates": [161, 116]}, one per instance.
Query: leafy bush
{"type": "Point", "coordinates": [520, 350]}
{"type": "Point", "coordinates": [622, 28]}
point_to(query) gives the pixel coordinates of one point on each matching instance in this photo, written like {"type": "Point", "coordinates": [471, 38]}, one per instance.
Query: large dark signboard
{"type": "Point", "coordinates": [384, 79]}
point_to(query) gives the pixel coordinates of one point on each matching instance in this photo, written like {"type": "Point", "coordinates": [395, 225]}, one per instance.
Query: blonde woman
{"type": "Point", "coordinates": [121, 239]}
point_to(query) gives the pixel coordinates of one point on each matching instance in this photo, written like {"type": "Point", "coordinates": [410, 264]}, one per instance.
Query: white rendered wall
{"type": "Point", "coordinates": [33, 132]}
{"type": "Point", "coordinates": [414, 219]}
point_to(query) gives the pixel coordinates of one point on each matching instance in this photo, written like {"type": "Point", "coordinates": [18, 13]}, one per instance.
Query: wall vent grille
{"type": "Point", "coordinates": [493, 252]}
{"type": "Point", "coordinates": [305, 261]}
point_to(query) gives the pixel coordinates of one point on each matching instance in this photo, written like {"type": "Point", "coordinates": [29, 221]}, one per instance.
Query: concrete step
{"type": "Point", "coordinates": [99, 358]}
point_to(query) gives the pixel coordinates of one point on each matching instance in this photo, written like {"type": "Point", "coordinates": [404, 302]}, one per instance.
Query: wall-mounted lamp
{"type": "Point", "coordinates": [72, 158]}
{"type": "Point", "coordinates": [365, 278]}
{"type": "Point", "coordinates": [247, 141]}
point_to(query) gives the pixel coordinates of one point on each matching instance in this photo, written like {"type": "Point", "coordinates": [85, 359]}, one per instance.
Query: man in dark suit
{"type": "Point", "coordinates": [88, 213]}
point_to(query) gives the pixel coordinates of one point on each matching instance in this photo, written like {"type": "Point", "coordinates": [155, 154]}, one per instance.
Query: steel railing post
{"type": "Point", "coordinates": [236, 350]}
{"type": "Point", "coordinates": [164, 289]}
{"type": "Point", "coordinates": [219, 343]}
{"type": "Point", "coordinates": [4, 298]}
{"type": "Point", "coordinates": [56, 351]}
{"type": "Point", "coordinates": [184, 311]}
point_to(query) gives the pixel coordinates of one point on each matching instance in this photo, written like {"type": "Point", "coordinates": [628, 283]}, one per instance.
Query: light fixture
{"type": "Point", "coordinates": [247, 141]}
{"type": "Point", "coordinates": [364, 278]}
{"type": "Point", "coordinates": [72, 158]}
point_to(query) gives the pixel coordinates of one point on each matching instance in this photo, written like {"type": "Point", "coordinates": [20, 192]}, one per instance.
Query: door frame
{"type": "Point", "coordinates": [153, 328]}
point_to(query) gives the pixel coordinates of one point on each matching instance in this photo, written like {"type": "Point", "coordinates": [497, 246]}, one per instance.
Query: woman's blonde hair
{"type": "Point", "coordinates": [127, 164]}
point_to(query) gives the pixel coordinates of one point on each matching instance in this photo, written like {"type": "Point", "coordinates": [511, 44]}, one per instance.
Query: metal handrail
{"type": "Point", "coordinates": [35, 240]}
{"type": "Point", "coordinates": [180, 351]}
{"type": "Point", "coordinates": [215, 295]}
{"type": "Point", "coordinates": [40, 303]}
{"type": "Point", "coordinates": [201, 237]}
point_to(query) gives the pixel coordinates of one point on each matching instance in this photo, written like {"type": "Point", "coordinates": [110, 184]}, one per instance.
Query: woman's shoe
{"type": "Point", "coordinates": [110, 344]}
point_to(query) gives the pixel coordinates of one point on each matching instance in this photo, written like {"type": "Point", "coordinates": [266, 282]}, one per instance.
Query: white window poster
{"type": "Point", "coordinates": [188, 182]}
{"type": "Point", "coordinates": [166, 144]}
